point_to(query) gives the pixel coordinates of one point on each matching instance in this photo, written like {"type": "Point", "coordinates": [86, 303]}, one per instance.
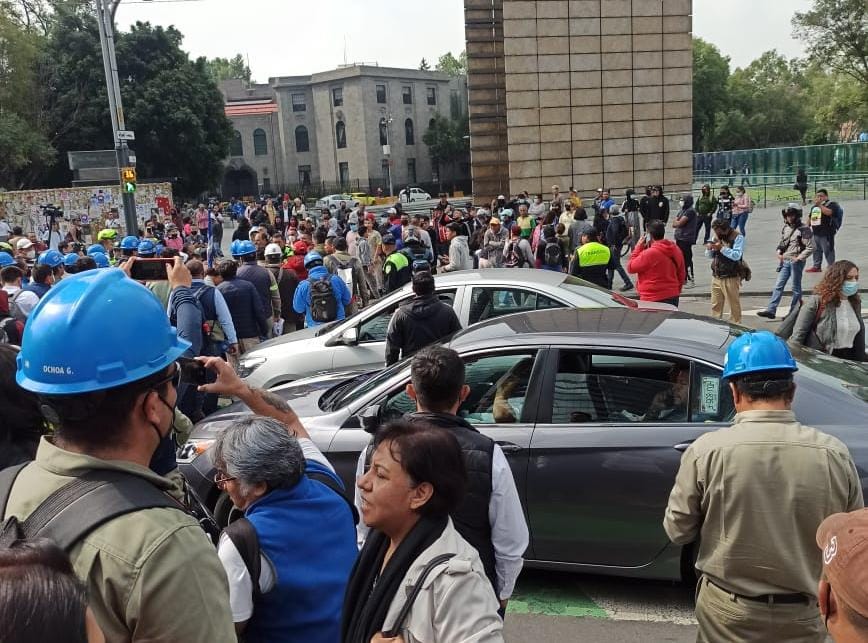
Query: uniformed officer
{"type": "Point", "coordinates": [592, 259]}
{"type": "Point", "coordinates": [754, 495]}
{"type": "Point", "coordinates": [396, 267]}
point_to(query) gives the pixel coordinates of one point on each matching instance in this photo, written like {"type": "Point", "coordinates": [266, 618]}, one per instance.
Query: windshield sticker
{"type": "Point", "coordinates": [710, 395]}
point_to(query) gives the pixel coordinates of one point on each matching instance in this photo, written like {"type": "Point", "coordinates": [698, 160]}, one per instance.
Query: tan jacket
{"type": "Point", "coordinates": [754, 494]}
{"type": "Point", "coordinates": [151, 575]}
{"type": "Point", "coordinates": [457, 601]}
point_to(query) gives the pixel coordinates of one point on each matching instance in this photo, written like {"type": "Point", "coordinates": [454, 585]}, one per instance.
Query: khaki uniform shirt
{"type": "Point", "coordinates": [755, 494]}
{"type": "Point", "coordinates": [151, 575]}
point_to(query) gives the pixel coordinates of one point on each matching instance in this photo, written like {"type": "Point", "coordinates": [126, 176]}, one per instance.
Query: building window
{"type": "Point", "coordinates": [236, 148]}
{"type": "Point", "coordinates": [260, 143]}
{"type": "Point", "coordinates": [381, 93]}
{"type": "Point", "coordinates": [302, 142]}
{"type": "Point", "coordinates": [407, 95]}
{"type": "Point", "coordinates": [304, 175]}
{"type": "Point", "coordinates": [344, 173]}
{"type": "Point", "coordinates": [298, 103]}
{"type": "Point", "coordinates": [455, 105]}
{"type": "Point", "coordinates": [411, 170]}
{"type": "Point", "coordinates": [431, 124]}
{"type": "Point", "coordinates": [341, 134]}
{"type": "Point", "coordinates": [266, 185]}
{"type": "Point", "coordinates": [409, 136]}
{"type": "Point", "coordinates": [338, 96]}
{"type": "Point", "coordinates": [432, 95]}
{"type": "Point", "coordinates": [384, 139]}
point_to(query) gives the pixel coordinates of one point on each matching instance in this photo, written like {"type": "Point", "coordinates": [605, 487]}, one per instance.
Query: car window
{"type": "Point", "coordinates": [498, 388]}
{"type": "Point", "coordinates": [374, 328]}
{"type": "Point", "coordinates": [490, 302]}
{"type": "Point", "coordinates": [710, 396]}
{"type": "Point", "coordinates": [603, 387]}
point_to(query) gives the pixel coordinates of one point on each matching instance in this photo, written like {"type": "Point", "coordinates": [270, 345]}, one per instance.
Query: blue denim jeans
{"type": "Point", "coordinates": [739, 221]}
{"type": "Point", "coordinates": [788, 269]}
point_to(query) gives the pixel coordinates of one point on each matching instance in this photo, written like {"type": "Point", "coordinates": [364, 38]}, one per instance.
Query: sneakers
{"type": "Point", "coordinates": [626, 287]}
{"type": "Point", "coordinates": [689, 283]}
{"type": "Point", "coordinates": [766, 313]}
{"type": "Point", "coordinates": [813, 269]}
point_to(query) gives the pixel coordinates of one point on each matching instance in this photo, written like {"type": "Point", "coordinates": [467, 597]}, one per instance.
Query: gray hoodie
{"type": "Point", "coordinates": [459, 255]}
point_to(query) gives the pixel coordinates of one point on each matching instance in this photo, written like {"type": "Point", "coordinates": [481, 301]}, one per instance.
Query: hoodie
{"type": "Point", "coordinates": [301, 299]}
{"type": "Point", "coordinates": [459, 255]}
{"type": "Point", "coordinates": [660, 270]}
{"type": "Point", "coordinates": [687, 217]}
{"type": "Point", "coordinates": [423, 321]}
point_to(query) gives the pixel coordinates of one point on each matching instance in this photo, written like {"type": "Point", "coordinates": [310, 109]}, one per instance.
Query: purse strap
{"type": "Point", "coordinates": [395, 630]}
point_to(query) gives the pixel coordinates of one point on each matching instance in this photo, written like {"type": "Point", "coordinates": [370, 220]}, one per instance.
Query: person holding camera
{"type": "Point", "coordinates": [727, 270]}
{"type": "Point", "coordinates": [794, 248]}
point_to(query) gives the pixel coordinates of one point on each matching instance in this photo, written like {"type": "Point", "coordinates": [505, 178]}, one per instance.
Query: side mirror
{"type": "Point", "coordinates": [370, 418]}
{"type": "Point", "coordinates": [350, 337]}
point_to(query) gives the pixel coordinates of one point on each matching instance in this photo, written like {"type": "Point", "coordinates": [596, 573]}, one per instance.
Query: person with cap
{"type": "Point", "coordinates": [494, 241]}
{"type": "Point", "coordinates": [129, 246]}
{"type": "Point", "coordinates": [103, 359]}
{"type": "Point", "coordinates": [106, 238]}
{"type": "Point", "coordinates": [244, 252]}
{"type": "Point", "coordinates": [146, 249]}
{"type": "Point", "coordinates": [420, 257]}
{"type": "Point", "coordinates": [396, 266]}
{"type": "Point", "coordinates": [794, 249]}
{"type": "Point", "coordinates": [295, 261]}
{"type": "Point", "coordinates": [753, 496]}
{"type": "Point", "coordinates": [287, 281]}
{"type": "Point", "coordinates": [843, 589]}
{"type": "Point", "coordinates": [69, 263]}
{"type": "Point", "coordinates": [592, 260]}
{"type": "Point", "coordinates": [322, 297]}
{"type": "Point", "coordinates": [42, 278]}
{"type": "Point", "coordinates": [350, 270]}
{"type": "Point", "coordinates": [24, 250]}
{"type": "Point", "coordinates": [459, 251]}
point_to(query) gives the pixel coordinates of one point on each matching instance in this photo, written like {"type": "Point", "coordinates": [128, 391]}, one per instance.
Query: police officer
{"type": "Point", "coordinates": [106, 238]}
{"type": "Point", "coordinates": [102, 358]}
{"type": "Point", "coordinates": [754, 495]}
{"type": "Point", "coordinates": [592, 260]}
{"type": "Point", "coordinates": [396, 267]}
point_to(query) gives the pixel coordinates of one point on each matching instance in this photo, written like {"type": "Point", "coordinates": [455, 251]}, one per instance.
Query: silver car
{"type": "Point", "coordinates": [359, 342]}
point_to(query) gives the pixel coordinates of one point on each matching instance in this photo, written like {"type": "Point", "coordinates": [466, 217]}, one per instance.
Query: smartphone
{"type": "Point", "coordinates": [192, 371]}
{"type": "Point", "coordinates": [150, 269]}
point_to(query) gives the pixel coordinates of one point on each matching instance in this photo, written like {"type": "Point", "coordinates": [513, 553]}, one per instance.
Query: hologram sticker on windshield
{"type": "Point", "coordinates": [710, 392]}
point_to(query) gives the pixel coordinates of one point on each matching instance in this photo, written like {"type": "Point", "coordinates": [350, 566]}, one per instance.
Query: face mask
{"type": "Point", "coordinates": [681, 203]}
{"type": "Point", "coordinates": [354, 227]}
{"type": "Point", "coordinates": [850, 288]}
{"type": "Point", "coordinates": [31, 254]}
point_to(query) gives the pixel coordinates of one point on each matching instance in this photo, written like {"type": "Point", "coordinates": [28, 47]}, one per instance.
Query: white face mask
{"type": "Point", "coordinates": [31, 254]}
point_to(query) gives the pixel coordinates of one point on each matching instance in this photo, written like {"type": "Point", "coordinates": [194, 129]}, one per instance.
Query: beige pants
{"type": "Point", "coordinates": [244, 345]}
{"type": "Point", "coordinates": [724, 618]}
{"type": "Point", "coordinates": [725, 292]}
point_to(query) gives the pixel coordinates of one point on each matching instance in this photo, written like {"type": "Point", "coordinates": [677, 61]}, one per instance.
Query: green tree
{"type": "Point", "coordinates": [837, 35]}
{"type": "Point", "coordinates": [424, 66]}
{"type": "Point", "coordinates": [449, 64]}
{"type": "Point", "coordinates": [448, 143]}
{"type": "Point", "coordinates": [838, 107]}
{"type": "Point", "coordinates": [710, 95]}
{"type": "Point", "coordinates": [228, 69]}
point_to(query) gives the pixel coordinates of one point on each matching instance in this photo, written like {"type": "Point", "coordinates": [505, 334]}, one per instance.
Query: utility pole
{"type": "Point", "coordinates": [105, 11]}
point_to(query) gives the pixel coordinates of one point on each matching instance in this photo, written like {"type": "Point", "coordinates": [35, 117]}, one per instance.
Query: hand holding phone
{"type": "Point", "coordinates": [149, 269]}
{"type": "Point", "coordinates": [192, 371]}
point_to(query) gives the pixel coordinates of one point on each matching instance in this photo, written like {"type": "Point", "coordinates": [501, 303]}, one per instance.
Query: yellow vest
{"type": "Point", "coordinates": [593, 254]}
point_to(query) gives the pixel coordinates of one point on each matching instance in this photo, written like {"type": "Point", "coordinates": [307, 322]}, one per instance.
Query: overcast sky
{"type": "Point", "coordinates": [289, 37]}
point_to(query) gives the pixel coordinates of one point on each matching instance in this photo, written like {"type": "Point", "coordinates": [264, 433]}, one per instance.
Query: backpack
{"type": "Point", "coordinates": [14, 309]}
{"type": "Point", "coordinates": [211, 328]}
{"type": "Point", "coordinates": [552, 255]}
{"type": "Point", "coordinates": [79, 507]}
{"type": "Point", "coordinates": [243, 535]}
{"type": "Point", "coordinates": [345, 272]}
{"type": "Point", "coordinates": [511, 256]}
{"type": "Point", "coordinates": [837, 215]}
{"type": "Point", "coordinates": [323, 301]}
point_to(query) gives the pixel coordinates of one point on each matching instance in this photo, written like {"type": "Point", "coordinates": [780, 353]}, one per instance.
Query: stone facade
{"type": "Point", "coordinates": [340, 112]}
{"type": "Point", "coordinates": [596, 93]}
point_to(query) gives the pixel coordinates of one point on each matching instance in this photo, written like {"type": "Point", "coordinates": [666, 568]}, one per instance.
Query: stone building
{"type": "Point", "coordinates": [337, 129]}
{"type": "Point", "coordinates": [584, 93]}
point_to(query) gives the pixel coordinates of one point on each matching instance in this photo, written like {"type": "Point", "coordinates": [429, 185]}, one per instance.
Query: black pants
{"type": "Point", "coordinates": [703, 220]}
{"type": "Point", "coordinates": [687, 250]}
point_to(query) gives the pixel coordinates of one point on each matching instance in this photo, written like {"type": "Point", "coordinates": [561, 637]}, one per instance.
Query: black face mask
{"type": "Point", "coordinates": [160, 435]}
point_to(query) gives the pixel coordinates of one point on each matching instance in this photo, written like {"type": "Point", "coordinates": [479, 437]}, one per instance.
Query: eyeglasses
{"type": "Point", "coordinates": [222, 478]}
{"type": "Point", "coordinates": [174, 377]}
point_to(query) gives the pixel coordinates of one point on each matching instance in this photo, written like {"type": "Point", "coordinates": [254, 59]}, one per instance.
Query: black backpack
{"type": "Point", "coordinates": [512, 257]}
{"type": "Point", "coordinates": [323, 301]}
{"type": "Point", "coordinates": [552, 255]}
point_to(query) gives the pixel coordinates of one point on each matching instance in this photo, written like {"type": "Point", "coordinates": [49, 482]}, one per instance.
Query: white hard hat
{"type": "Point", "coordinates": [273, 249]}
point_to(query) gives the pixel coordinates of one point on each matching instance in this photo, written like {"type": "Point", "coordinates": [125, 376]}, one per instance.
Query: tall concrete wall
{"type": "Point", "coordinates": [598, 93]}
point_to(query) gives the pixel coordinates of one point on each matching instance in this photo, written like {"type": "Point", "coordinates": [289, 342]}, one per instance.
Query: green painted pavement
{"type": "Point", "coordinates": [540, 593]}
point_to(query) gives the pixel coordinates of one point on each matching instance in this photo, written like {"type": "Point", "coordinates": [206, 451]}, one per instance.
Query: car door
{"type": "Point", "coordinates": [612, 427]}
{"type": "Point", "coordinates": [370, 347]}
{"type": "Point", "coordinates": [488, 302]}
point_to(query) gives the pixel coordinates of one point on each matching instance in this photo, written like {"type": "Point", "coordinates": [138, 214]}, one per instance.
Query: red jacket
{"type": "Point", "coordinates": [660, 269]}
{"type": "Point", "coordinates": [296, 263]}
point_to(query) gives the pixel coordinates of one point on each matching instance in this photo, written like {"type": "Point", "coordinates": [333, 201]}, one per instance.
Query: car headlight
{"type": "Point", "coordinates": [193, 448]}
{"type": "Point", "coordinates": [247, 365]}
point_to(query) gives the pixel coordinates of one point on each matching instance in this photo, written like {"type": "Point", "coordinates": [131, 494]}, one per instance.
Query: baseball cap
{"type": "Point", "coordinates": [23, 244]}
{"type": "Point", "coordinates": [494, 221]}
{"type": "Point", "coordinates": [391, 211]}
{"type": "Point", "coordinates": [388, 239]}
{"type": "Point", "coordinates": [843, 539]}
{"type": "Point", "coordinates": [299, 247]}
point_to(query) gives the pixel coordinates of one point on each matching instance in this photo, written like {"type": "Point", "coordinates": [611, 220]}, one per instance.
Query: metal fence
{"type": "Point", "coordinates": [834, 158]}
{"type": "Point", "coordinates": [776, 190]}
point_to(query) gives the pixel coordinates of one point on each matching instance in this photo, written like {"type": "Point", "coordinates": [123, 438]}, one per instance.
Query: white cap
{"type": "Point", "coordinates": [273, 249]}
{"type": "Point", "coordinates": [23, 244]}
{"type": "Point", "coordinates": [391, 211]}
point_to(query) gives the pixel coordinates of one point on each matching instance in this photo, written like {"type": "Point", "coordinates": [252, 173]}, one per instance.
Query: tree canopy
{"type": "Point", "coordinates": [449, 64]}
{"type": "Point", "coordinates": [228, 69]}
{"type": "Point", "coordinates": [448, 141]}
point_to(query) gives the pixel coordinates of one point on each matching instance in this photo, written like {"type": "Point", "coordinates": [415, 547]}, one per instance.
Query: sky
{"type": "Point", "coordinates": [292, 37]}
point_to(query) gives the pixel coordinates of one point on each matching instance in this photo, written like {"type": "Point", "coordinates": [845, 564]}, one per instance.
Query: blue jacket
{"type": "Point", "coordinates": [307, 534]}
{"type": "Point", "coordinates": [249, 315]}
{"type": "Point", "coordinates": [261, 280]}
{"type": "Point", "coordinates": [37, 288]}
{"type": "Point", "coordinates": [301, 299]}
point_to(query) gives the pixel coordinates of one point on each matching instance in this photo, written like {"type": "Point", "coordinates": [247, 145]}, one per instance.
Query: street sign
{"type": "Point", "coordinates": [126, 135]}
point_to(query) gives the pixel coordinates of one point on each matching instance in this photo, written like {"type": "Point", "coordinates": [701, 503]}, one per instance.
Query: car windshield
{"type": "Point", "coordinates": [358, 386]}
{"type": "Point", "coordinates": [595, 293]}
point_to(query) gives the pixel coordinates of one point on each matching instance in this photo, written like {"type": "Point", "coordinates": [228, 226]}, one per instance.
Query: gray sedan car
{"type": "Point", "coordinates": [360, 341]}
{"type": "Point", "coordinates": [594, 408]}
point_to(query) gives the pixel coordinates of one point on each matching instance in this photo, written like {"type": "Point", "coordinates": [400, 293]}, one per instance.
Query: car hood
{"type": "Point", "coordinates": [295, 336]}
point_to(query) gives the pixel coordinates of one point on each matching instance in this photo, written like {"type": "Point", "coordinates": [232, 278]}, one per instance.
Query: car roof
{"type": "Point", "coordinates": [673, 330]}
{"type": "Point", "coordinates": [506, 275]}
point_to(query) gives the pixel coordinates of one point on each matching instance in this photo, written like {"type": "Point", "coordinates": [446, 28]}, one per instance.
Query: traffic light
{"type": "Point", "coordinates": [128, 179]}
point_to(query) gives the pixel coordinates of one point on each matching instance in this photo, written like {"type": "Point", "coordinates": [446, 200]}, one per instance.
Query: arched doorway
{"type": "Point", "coordinates": [239, 182]}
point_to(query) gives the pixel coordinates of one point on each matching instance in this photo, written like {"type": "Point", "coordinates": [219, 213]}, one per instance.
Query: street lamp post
{"type": "Point", "coordinates": [387, 148]}
{"type": "Point", "coordinates": [105, 11]}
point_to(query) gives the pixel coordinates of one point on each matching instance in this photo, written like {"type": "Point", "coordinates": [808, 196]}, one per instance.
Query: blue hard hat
{"type": "Point", "coordinates": [50, 258]}
{"type": "Point", "coordinates": [95, 248]}
{"type": "Point", "coordinates": [239, 248]}
{"type": "Point", "coordinates": [6, 260]}
{"type": "Point", "coordinates": [101, 260]}
{"type": "Point", "coordinates": [757, 351]}
{"type": "Point", "coordinates": [70, 259]}
{"type": "Point", "coordinates": [93, 331]}
{"type": "Point", "coordinates": [129, 243]}
{"type": "Point", "coordinates": [311, 258]}
{"type": "Point", "coordinates": [159, 248]}
{"type": "Point", "coordinates": [147, 248]}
